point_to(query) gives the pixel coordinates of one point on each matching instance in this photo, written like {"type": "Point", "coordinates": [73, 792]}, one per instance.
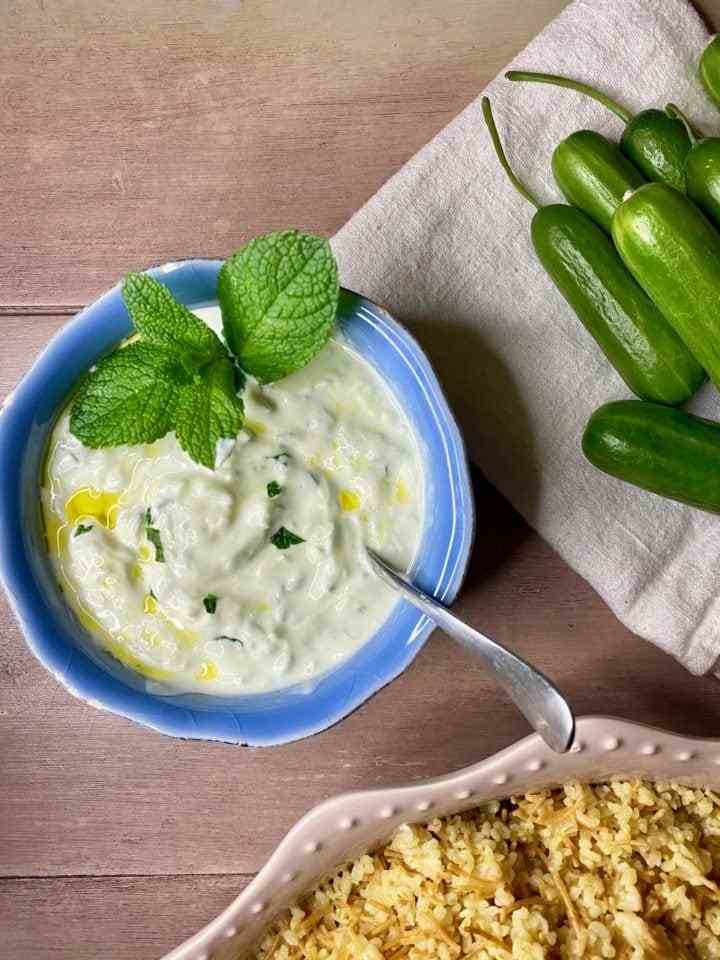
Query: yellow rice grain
{"type": "Point", "coordinates": [617, 871]}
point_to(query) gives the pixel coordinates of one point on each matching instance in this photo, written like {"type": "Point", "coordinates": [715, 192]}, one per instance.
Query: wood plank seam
{"type": "Point", "coordinates": [40, 310]}
{"type": "Point", "coordinates": [51, 878]}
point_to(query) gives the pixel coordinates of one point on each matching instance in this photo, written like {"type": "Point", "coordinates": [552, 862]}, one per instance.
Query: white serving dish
{"type": "Point", "coordinates": [350, 824]}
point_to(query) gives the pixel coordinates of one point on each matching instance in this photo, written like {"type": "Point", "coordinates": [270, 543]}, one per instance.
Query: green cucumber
{"type": "Point", "coordinates": [673, 252]}
{"type": "Point", "coordinates": [654, 142]}
{"type": "Point", "coordinates": [709, 70]}
{"type": "Point", "coordinates": [587, 270]}
{"type": "Point", "coordinates": [584, 266]}
{"type": "Point", "coordinates": [593, 175]}
{"type": "Point", "coordinates": [658, 448]}
{"type": "Point", "coordinates": [702, 168]}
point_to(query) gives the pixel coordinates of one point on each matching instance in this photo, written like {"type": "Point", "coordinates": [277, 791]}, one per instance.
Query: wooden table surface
{"type": "Point", "coordinates": [150, 130]}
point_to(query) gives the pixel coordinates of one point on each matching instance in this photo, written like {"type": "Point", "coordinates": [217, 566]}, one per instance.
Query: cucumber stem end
{"type": "Point", "coordinates": [500, 153]}
{"type": "Point", "coordinates": [527, 76]}
{"type": "Point", "coordinates": [676, 113]}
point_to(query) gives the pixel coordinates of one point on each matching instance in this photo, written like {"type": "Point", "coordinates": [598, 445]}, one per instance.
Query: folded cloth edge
{"type": "Point", "coordinates": [394, 226]}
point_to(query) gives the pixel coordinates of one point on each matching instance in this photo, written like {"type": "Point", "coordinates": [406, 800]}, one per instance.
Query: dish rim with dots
{"type": "Point", "coordinates": [344, 827]}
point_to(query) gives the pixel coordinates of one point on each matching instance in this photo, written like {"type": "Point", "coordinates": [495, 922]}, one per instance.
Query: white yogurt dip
{"type": "Point", "coordinates": [171, 567]}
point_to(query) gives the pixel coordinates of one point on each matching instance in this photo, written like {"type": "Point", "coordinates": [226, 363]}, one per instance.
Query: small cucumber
{"type": "Point", "coordinates": [655, 143]}
{"type": "Point", "coordinates": [702, 168]}
{"type": "Point", "coordinates": [709, 70]}
{"type": "Point", "coordinates": [661, 449]}
{"type": "Point", "coordinates": [586, 268]}
{"type": "Point", "coordinates": [673, 251]}
{"type": "Point", "coordinates": [593, 175]}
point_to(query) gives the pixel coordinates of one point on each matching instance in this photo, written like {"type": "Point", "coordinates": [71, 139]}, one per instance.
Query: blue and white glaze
{"type": "Point", "coordinates": [62, 645]}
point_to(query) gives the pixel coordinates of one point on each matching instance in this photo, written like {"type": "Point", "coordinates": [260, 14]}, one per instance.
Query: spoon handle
{"type": "Point", "coordinates": [537, 698]}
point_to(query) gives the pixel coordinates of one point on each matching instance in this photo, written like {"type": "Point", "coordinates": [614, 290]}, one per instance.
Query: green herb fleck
{"type": "Point", "coordinates": [210, 603]}
{"type": "Point", "coordinates": [279, 297]}
{"type": "Point", "coordinates": [274, 489]}
{"type": "Point", "coordinates": [284, 538]}
{"type": "Point", "coordinates": [224, 636]}
{"type": "Point", "coordinates": [82, 528]}
{"type": "Point", "coordinates": [153, 535]}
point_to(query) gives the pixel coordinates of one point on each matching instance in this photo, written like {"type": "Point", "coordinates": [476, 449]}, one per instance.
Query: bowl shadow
{"type": "Point", "coordinates": [484, 397]}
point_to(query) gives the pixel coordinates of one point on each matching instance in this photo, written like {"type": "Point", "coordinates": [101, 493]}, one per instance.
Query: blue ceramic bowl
{"type": "Point", "coordinates": [61, 644]}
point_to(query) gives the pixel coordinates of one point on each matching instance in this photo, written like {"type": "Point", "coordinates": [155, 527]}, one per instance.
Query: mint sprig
{"type": "Point", "coordinates": [163, 322]}
{"type": "Point", "coordinates": [177, 376]}
{"type": "Point", "coordinates": [208, 410]}
{"type": "Point", "coordinates": [279, 297]}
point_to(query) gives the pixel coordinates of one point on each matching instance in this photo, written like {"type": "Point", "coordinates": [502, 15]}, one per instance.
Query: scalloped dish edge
{"type": "Point", "coordinates": [348, 824]}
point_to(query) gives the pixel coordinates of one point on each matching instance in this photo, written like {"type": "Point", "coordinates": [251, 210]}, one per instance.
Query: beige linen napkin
{"type": "Point", "coordinates": [445, 245]}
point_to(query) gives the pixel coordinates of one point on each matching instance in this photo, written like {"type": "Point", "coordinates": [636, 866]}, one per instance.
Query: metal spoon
{"type": "Point", "coordinates": [536, 697]}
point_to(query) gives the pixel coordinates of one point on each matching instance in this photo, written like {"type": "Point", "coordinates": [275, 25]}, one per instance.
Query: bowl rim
{"type": "Point", "coordinates": [152, 709]}
{"type": "Point", "coordinates": [604, 747]}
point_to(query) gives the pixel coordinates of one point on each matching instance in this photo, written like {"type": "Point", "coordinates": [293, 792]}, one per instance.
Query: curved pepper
{"type": "Point", "coordinates": [585, 267]}
{"type": "Point", "coordinates": [654, 142]}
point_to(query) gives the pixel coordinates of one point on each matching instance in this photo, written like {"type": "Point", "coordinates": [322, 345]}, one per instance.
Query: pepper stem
{"type": "Point", "coordinates": [558, 81]}
{"type": "Point", "coordinates": [500, 153]}
{"type": "Point", "coordinates": [676, 113]}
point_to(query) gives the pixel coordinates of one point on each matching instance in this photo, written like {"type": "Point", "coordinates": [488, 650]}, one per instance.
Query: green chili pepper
{"type": "Point", "coordinates": [709, 69]}
{"type": "Point", "coordinates": [585, 267]}
{"type": "Point", "coordinates": [702, 168]}
{"type": "Point", "coordinates": [674, 254]}
{"type": "Point", "coordinates": [654, 142]}
{"type": "Point", "coordinates": [593, 174]}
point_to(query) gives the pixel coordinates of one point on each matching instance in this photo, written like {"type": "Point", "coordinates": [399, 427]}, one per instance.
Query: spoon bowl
{"type": "Point", "coordinates": [536, 697]}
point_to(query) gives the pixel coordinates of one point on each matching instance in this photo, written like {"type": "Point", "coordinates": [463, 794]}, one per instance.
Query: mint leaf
{"type": "Point", "coordinates": [82, 528]}
{"type": "Point", "coordinates": [210, 603]}
{"type": "Point", "coordinates": [278, 297]}
{"type": "Point", "coordinates": [130, 397]}
{"type": "Point", "coordinates": [208, 409]}
{"type": "Point", "coordinates": [274, 489]}
{"type": "Point", "coordinates": [161, 320]}
{"type": "Point", "coordinates": [177, 376]}
{"type": "Point", "coordinates": [285, 538]}
{"type": "Point", "coordinates": [153, 535]}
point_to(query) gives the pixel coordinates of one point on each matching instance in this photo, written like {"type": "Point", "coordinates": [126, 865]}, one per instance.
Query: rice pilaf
{"type": "Point", "coordinates": [625, 870]}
